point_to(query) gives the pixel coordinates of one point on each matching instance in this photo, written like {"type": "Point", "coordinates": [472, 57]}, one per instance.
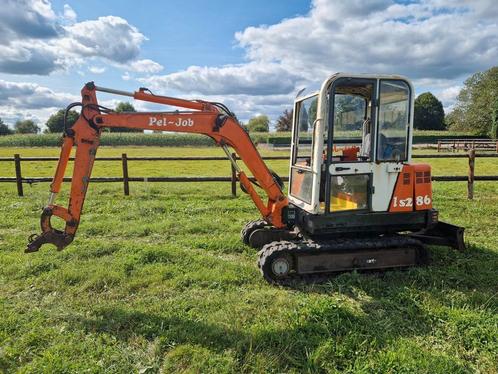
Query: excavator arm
{"type": "Point", "coordinates": [211, 119]}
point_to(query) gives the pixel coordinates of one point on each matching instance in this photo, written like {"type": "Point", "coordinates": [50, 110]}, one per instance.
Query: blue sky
{"type": "Point", "coordinates": [186, 32]}
{"type": "Point", "coordinates": [252, 55]}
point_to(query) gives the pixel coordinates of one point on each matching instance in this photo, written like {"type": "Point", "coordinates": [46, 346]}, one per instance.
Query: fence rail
{"type": "Point", "coordinates": [467, 144]}
{"type": "Point", "coordinates": [126, 179]}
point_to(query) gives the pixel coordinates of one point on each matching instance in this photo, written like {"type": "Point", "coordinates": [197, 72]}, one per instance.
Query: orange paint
{"type": "Point", "coordinates": [413, 190]}
{"type": "Point", "coordinates": [423, 187]}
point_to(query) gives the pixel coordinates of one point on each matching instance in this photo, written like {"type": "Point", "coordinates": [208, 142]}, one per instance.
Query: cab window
{"type": "Point", "coordinates": [301, 181]}
{"type": "Point", "coordinates": [351, 128]}
{"type": "Point", "coordinates": [306, 116]}
{"type": "Point", "coordinates": [393, 121]}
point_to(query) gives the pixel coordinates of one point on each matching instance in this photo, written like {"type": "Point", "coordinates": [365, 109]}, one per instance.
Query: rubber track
{"type": "Point", "coordinates": [250, 227]}
{"type": "Point", "coordinates": [320, 247]}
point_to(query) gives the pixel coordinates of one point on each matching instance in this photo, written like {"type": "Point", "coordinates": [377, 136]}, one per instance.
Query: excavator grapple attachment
{"type": "Point", "coordinates": [50, 235]}
{"type": "Point", "coordinates": [55, 237]}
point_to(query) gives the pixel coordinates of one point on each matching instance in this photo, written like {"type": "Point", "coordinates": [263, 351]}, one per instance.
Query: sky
{"type": "Point", "coordinates": [254, 56]}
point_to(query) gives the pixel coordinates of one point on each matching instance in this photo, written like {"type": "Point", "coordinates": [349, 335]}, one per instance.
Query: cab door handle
{"type": "Point", "coordinates": [340, 168]}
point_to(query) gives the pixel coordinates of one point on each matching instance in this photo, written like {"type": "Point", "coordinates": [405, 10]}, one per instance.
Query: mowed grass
{"type": "Point", "coordinates": [159, 281]}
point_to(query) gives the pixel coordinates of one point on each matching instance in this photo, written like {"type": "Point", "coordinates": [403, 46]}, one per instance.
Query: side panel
{"type": "Point", "coordinates": [413, 189]}
{"type": "Point", "coordinates": [423, 187]}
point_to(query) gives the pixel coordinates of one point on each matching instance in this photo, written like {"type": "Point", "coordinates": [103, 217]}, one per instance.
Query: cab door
{"type": "Point", "coordinates": [350, 146]}
{"type": "Point", "coordinates": [302, 178]}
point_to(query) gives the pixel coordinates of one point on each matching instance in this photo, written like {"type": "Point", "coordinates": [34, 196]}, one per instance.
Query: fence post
{"type": "Point", "coordinates": [126, 184]}
{"type": "Point", "coordinates": [17, 162]}
{"type": "Point", "coordinates": [234, 177]}
{"type": "Point", "coordinates": [470, 182]}
{"type": "Point", "coordinates": [497, 146]}
{"type": "Point", "coordinates": [439, 146]}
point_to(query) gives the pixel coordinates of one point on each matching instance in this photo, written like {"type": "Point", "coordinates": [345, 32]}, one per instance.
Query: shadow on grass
{"type": "Point", "coordinates": [337, 337]}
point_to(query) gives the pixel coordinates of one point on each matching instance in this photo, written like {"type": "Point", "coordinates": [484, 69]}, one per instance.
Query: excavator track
{"type": "Point", "coordinates": [287, 263]}
{"type": "Point", "coordinates": [250, 227]}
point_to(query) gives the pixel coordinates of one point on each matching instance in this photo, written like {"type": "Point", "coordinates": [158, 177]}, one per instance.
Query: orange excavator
{"type": "Point", "coordinates": [354, 201]}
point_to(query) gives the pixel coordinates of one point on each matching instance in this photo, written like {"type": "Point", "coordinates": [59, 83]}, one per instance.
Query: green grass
{"type": "Point", "coordinates": [447, 166]}
{"type": "Point", "coordinates": [159, 282]}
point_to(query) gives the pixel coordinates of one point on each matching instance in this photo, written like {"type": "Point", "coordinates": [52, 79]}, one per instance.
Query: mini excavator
{"type": "Point", "coordinates": [355, 200]}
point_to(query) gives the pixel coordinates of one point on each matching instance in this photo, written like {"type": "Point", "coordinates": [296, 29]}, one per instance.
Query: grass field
{"type": "Point", "coordinates": [159, 282]}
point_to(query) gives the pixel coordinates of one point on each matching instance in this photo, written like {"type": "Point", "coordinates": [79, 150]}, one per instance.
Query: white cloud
{"type": "Point", "coordinates": [31, 96]}
{"type": "Point", "coordinates": [437, 43]}
{"type": "Point", "coordinates": [448, 96]}
{"type": "Point", "coordinates": [69, 14]}
{"type": "Point", "coordinates": [33, 19]}
{"type": "Point", "coordinates": [145, 66]}
{"type": "Point", "coordinates": [33, 40]}
{"type": "Point", "coordinates": [110, 37]}
{"type": "Point", "coordinates": [247, 79]}
{"type": "Point", "coordinates": [97, 69]}
{"type": "Point", "coordinates": [21, 100]}
{"type": "Point", "coordinates": [418, 40]}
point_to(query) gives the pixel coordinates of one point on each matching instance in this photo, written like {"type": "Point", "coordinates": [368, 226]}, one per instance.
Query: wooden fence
{"type": "Point", "coordinates": [126, 179]}
{"type": "Point", "coordinates": [467, 144]}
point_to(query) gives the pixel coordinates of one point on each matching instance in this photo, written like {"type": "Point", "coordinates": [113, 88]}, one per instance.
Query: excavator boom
{"type": "Point", "coordinates": [202, 117]}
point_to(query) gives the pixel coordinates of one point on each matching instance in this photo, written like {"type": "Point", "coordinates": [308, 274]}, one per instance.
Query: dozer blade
{"type": "Point", "coordinates": [442, 234]}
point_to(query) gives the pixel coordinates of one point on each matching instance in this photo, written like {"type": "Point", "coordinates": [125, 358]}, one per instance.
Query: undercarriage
{"type": "Point", "coordinates": [288, 256]}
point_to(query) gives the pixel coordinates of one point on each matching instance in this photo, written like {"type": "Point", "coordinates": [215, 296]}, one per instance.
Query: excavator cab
{"type": "Point", "coordinates": [350, 142]}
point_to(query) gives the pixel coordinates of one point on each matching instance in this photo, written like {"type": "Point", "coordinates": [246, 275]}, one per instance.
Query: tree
{"type": "Point", "coordinates": [493, 134]}
{"type": "Point", "coordinates": [429, 113]}
{"type": "Point", "coordinates": [259, 124]}
{"type": "Point", "coordinates": [4, 129]}
{"type": "Point", "coordinates": [284, 122]}
{"type": "Point", "coordinates": [26, 126]}
{"type": "Point", "coordinates": [475, 103]}
{"type": "Point", "coordinates": [124, 107]}
{"type": "Point", "coordinates": [55, 122]}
